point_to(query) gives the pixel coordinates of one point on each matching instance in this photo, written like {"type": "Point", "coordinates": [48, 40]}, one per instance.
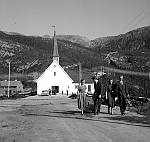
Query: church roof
{"type": "Point", "coordinates": [55, 50]}
{"type": "Point", "coordinates": [50, 67]}
{"type": "Point", "coordinates": [74, 74]}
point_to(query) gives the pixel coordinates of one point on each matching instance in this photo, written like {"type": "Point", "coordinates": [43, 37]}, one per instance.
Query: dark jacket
{"type": "Point", "coordinates": [122, 90]}
{"type": "Point", "coordinates": [98, 89]}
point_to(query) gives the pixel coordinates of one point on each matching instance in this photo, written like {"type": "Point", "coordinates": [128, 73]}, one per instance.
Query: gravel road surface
{"type": "Point", "coordinates": [57, 119]}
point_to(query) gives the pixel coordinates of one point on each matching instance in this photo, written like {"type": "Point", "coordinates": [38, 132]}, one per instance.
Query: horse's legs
{"type": "Point", "coordinates": [108, 109]}
{"type": "Point", "coordinates": [82, 104]}
{"type": "Point", "coordinates": [111, 110]}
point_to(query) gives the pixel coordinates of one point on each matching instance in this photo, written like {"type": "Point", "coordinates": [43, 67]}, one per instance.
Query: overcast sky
{"type": "Point", "coordinates": [89, 18]}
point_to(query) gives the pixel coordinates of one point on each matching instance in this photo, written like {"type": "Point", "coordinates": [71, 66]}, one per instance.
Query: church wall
{"type": "Point", "coordinates": [55, 76]}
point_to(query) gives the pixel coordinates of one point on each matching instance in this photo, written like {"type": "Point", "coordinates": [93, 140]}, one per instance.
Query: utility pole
{"type": "Point", "coordinates": [80, 72]}
{"type": "Point", "coordinates": [8, 79]}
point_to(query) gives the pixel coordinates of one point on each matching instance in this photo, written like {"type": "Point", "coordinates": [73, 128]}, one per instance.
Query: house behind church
{"type": "Point", "coordinates": [14, 87]}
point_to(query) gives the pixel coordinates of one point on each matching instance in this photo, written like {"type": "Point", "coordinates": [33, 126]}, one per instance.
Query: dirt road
{"type": "Point", "coordinates": [57, 119]}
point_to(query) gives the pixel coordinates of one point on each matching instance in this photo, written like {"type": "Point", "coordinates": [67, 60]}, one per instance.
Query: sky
{"type": "Point", "coordinates": [89, 18]}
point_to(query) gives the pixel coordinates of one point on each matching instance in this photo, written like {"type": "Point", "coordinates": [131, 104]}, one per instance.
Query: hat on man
{"type": "Point", "coordinates": [98, 75]}
{"type": "Point", "coordinates": [101, 73]}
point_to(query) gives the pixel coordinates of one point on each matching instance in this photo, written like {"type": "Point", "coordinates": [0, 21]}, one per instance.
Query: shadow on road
{"type": "Point", "coordinates": [125, 120]}
{"type": "Point", "coordinates": [131, 119]}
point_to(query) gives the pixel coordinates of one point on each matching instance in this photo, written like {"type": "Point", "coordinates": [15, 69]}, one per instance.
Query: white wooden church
{"type": "Point", "coordinates": [55, 77]}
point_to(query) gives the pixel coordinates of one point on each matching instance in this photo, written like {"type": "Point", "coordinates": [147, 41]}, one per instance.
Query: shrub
{"type": "Point", "coordinates": [143, 109]}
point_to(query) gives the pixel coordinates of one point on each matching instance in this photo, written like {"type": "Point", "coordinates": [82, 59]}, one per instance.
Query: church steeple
{"type": "Point", "coordinates": [55, 48]}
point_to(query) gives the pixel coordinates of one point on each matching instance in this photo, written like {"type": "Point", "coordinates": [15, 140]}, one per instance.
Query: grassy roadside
{"type": "Point", "coordinates": [142, 109]}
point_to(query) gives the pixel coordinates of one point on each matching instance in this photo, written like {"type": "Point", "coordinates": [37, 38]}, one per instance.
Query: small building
{"type": "Point", "coordinates": [14, 87]}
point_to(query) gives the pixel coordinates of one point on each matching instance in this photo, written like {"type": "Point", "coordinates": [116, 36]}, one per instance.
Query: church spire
{"type": "Point", "coordinates": [55, 48]}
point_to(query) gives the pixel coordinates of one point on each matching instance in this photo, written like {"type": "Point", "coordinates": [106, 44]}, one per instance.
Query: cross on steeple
{"type": "Point", "coordinates": [55, 47]}
{"type": "Point", "coordinates": [54, 29]}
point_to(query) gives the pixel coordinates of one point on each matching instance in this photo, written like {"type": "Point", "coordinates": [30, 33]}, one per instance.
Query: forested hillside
{"type": "Point", "coordinates": [127, 51]}
{"type": "Point", "coordinates": [28, 54]}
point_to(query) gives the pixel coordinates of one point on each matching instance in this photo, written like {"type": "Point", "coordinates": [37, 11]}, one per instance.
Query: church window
{"type": "Point", "coordinates": [54, 73]}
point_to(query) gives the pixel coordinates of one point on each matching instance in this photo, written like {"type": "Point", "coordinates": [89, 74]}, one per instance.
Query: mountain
{"type": "Point", "coordinates": [29, 54]}
{"type": "Point", "coordinates": [127, 51]}
{"type": "Point", "coordinates": [33, 53]}
{"type": "Point", "coordinates": [131, 41]}
{"type": "Point", "coordinates": [84, 41]}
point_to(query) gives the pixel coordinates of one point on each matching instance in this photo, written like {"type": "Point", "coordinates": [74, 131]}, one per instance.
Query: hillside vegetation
{"type": "Point", "coordinates": [133, 49]}
{"type": "Point", "coordinates": [28, 54]}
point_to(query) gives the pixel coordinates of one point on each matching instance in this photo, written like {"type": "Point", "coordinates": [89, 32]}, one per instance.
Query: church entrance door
{"type": "Point", "coordinates": [55, 89]}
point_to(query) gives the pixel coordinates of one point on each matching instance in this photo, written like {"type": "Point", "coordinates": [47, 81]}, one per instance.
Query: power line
{"type": "Point", "coordinates": [126, 72]}
{"type": "Point", "coordinates": [141, 19]}
{"type": "Point", "coordinates": [136, 17]}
